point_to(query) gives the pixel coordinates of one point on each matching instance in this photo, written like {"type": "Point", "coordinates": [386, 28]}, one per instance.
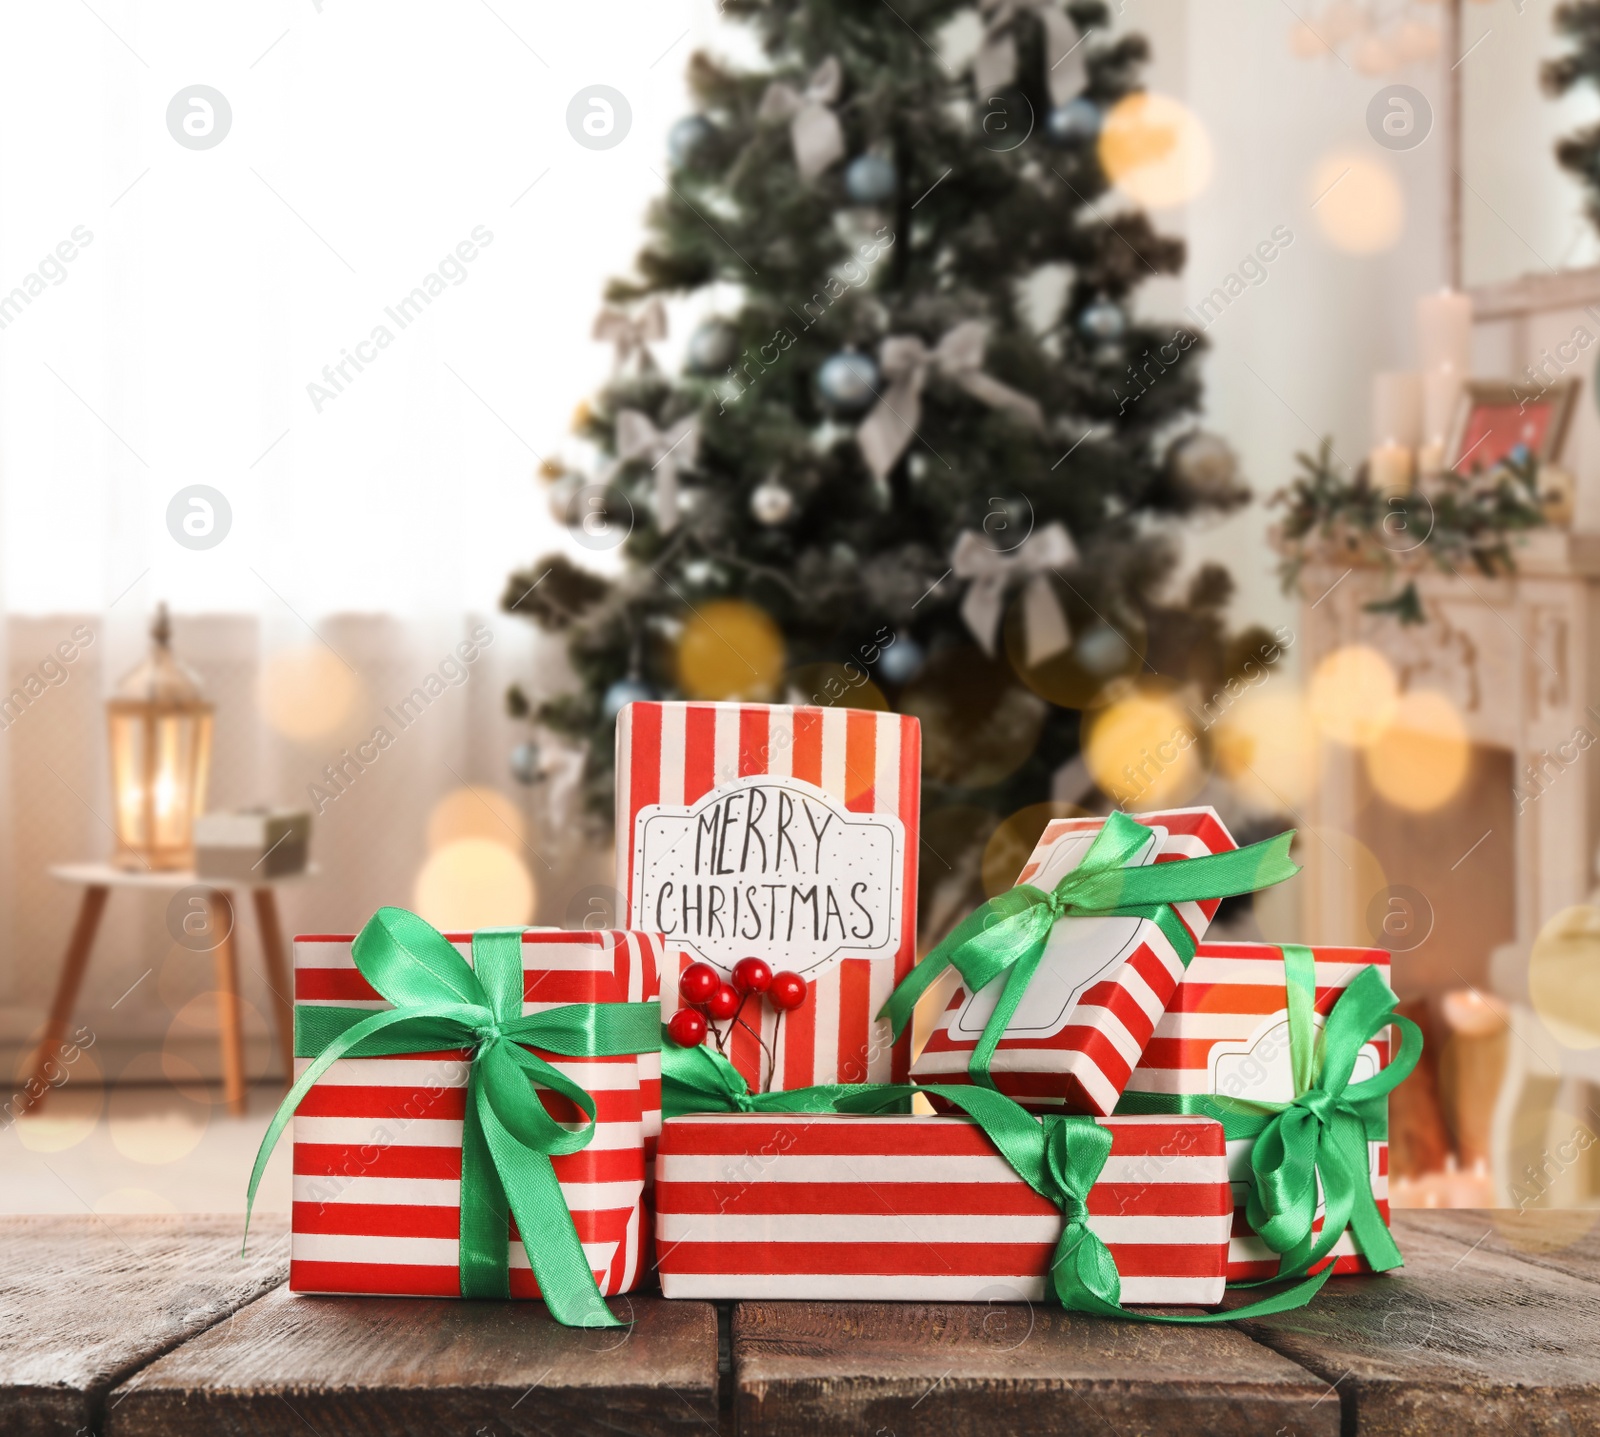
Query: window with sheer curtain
{"type": "Point", "coordinates": [316, 277]}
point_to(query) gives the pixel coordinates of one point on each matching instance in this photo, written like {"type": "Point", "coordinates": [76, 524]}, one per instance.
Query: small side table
{"type": "Point", "coordinates": [97, 881]}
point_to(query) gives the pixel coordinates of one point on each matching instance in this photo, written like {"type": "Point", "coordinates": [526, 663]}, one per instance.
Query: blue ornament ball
{"type": "Point", "coordinates": [686, 137]}
{"type": "Point", "coordinates": [622, 693]}
{"type": "Point", "coordinates": [712, 347]}
{"type": "Point", "coordinates": [871, 180]}
{"type": "Point", "coordinates": [525, 762]}
{"type": "Point", "coordinates": [1075, 123]}
{"type": "Point", "coordinates": [848, 380]}
{"type": "Point", "coordinates": [902, 661]}
{"type": "Point", "coordinates": [1102, 320]}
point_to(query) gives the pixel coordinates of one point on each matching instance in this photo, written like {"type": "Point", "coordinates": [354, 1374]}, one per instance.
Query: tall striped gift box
{"type": "Point", "coordinates": [1227, 1032]}
{"type": "Point", "coordinates": [786, 833]}
{"type": "Point", "coordinates": [1095, 999]}
{"type": "Point", "coordinates": [915, 1209]}
{"type": "Point", "coordinates": [377, 1141]}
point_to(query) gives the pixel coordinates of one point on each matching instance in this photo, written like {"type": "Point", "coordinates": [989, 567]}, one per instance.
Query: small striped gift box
{"type": "Point", "coordinates": [377, 1141]}
{"type": "Point", "coordinates": [789, 834]}
{"type": "Point", "coordinates": [1227, 1032]}
{"type": "Point", "coordinates": [1096, 997]}
{"type": "Point", "coordinates": [923, 1209]}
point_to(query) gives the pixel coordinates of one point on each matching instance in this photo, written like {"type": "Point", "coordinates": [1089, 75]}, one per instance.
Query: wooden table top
{"type": "Point", "coordinates": [139, 1326]}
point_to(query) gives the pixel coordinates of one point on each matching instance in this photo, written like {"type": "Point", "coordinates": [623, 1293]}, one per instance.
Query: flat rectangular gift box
{"type": "Point", "coordinates": [787, 833]}
{"type": "Point", "coordinates": [924, 1209]}
{"type": "Point", "coordinates": [377, 1141]}
{"type": "Point", "coordinates": [1227, 1031]}
{"type": "Point", "coordinates": [1094, 1001]}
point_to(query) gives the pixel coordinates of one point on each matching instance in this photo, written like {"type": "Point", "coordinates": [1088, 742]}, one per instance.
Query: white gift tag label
{"type": "Point", "coordinates": [1079, 953]}
{"type": "Point", "coordinates": [769, 866]}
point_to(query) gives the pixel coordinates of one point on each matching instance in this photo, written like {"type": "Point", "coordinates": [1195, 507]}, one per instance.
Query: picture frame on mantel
{"type": "Point", "coordinates": [1495, 417]}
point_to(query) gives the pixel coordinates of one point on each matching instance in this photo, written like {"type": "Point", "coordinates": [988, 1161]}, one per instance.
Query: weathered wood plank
{"type": "Point", "coordinates": [1567, 1240]}
{"type": "Point", "coordinates": [408, 1367]}
{"type": "Point", "coordinates": [1460, 1340]}
{"type": "Point", "coordinates": [86, 1301]}
{"type": "Point", "coordinates": [810, 1368]}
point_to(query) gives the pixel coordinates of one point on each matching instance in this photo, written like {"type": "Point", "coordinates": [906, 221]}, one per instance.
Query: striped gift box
{"type": "Point", "coordinates": [1096, 997]}
{"type": "Point", "coordinates": [377, 1141]}
{"type": "Point", "coordinates": [1227, 1031]}
{"type": "Point", "coordinates": [789, 834]}
{"type": "Point", "coordinates": [917, 1209]}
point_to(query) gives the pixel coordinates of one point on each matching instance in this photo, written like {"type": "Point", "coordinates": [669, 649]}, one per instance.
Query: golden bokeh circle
{"type": "Point", "coordinates": [1013, 841]}
{"type": "Point", "coordinates": [194, 1029]}
{"type": "Point", "coordinates": [1345, 916]}
{"type": "Point", "coordinates": [476, 811]}
{"type": "Point", "coordinates": [71, 1104]}
{"type": "Point", "coordinates": [1551, 1155]}
{"type": "Point", "coordinates": [1155, 150]}
{"type": "Point", "coordinates": [844, 686]}
{"type": "Point", "coordinates": [1358, 202]}
{"type": "Point", "coordinates": [1564, 976]}
{"type": "Point", "coordinates": [152, 1120]}
{"type": "Point", "coordinates": [306, 692]}
{"type": "Point", "coordinates": [979, 725]}
{"type": "Point", "coordinates": [1353, 695]}
{"type": "Point", "coordinates": [1420, 760]}
{"type": "Point", "coordinates": [1266, 747]}
{"type": "Point", "coordinates": [1143, 751]}
{"type": "Point", "coordinates": [474, 883]}
{"type": "Point", "coordinates": [730, 649]}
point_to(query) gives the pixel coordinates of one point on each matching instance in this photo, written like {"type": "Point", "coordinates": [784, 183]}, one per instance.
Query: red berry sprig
{"type": "Point", "coordinates": [710, 1001]}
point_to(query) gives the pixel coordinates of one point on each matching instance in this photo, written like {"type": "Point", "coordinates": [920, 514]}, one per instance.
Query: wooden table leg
{"type": "Point", "coordinates": [228, 1015]}
{"type": "Point", "coordinates": [278, 979]}
{"type": "Point", "coordinates": [73, 964]}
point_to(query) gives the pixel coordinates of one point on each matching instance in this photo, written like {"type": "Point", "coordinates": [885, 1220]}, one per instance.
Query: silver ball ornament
{"type": "Point", "coordinates": [771, 503]}
{"type": "Point", "coordinates": [871, 180]}
{"type": "Point", "coordinates": [849, 380]}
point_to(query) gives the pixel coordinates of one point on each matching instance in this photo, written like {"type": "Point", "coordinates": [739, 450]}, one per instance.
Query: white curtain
{"type": "Point", "coordinates": [174, 315]}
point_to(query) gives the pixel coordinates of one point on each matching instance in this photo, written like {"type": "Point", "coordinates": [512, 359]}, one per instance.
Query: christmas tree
{"type": "Point", "coordinates": [1579, 22]}
{"type": "Point", "coordinates": [929, 457]}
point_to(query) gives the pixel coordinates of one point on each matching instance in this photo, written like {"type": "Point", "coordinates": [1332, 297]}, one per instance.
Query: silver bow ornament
{"type": "Point", "coordinates": [632, 334]}
{"type": "Point", "coordinates": [990, 572]}
{"type": "Point", "coordinates": [813, 127]}
{"type": "Point", "coordinates": [666, 451]}
{"type": "Point", "coordinates": [996, 64]}
{"type": "Point", "coordinates": [906, 363]}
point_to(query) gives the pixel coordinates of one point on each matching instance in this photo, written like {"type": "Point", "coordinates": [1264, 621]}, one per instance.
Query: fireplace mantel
{"type": "Point", "coordinates": [1519, 656]}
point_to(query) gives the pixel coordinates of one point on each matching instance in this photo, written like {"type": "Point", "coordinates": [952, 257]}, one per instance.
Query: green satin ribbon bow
{"type": "Point", "coordinates": [1060, 1158]}
{"type": "Point", "coordinates": [1007, 934]}
{"type": "Point", "coordinates": [1319, 1139]}
{"type": "Point", "coordinates": [508, 1139]}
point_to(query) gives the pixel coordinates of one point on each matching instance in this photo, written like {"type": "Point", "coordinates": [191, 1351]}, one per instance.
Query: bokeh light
{"type": "Point", "coordinates": [474, 883]}
{"type": "Point", "coordinates": [1358, 202]}
{"type": "Point", "coordinates": [1344, 912]}
{"type": "Point", "coordinates": [69, 1111]}
{"type": "Point", "coordinates": [1098, 665]}
{"type": "Point", "coordinates": [476, 811]}
{"type": "Point", "coordinates": [843, 686]}
{"type": "Point", "coordinates": [194, 1029]}
{"type": "Point", "coordinates": [730, 650]}
{"type": "Point", "coordinates": [1266, 747]}
{"type": "Point", "coordinates": [152, 1120]}
{"type": "Point", "coordinates": [1353, 695]}
{"type": "Point", "coordinates": [1564, 976]}
{"type": "Point", "coordinates": [1155, 150]}
{"type": "Point", "coordinates": [1420, 761]}
{"type": "Point", "coordinates": [306, 692]}
{"type": "Point", "coordinates": [1142, 750]}
{"type": "Point", "coordinates": [1013, 841]}
{"type": "Point", "coordinates": [978, 724]}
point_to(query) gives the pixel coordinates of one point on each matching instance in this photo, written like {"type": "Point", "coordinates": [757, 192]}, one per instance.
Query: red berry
{"type": "Point", "coordinates": [751, 975]}
{"type": "Point", "coordinates": [788, 992]}
{"type": "Point", "coordinates": [687, 1028]}
{"type": "Point", "coordinates": [699, 982]}
{"type": "Point", "coordinates": [724, 1003]}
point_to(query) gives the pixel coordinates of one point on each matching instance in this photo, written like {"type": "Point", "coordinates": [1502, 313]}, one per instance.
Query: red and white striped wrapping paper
{"type": "Point", "coordinates": [1227, 1031]}
{"type": "Point", "coordinates": [924, 1209]}
{"type": "Point", "coordinates": [1095, 999]}
{"type": "Point", "coordinates": [377, 1141]}
{"type": "Point", "coordinates": [853, 774]}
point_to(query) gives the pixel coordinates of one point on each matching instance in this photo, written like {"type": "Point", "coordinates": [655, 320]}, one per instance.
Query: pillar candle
{"type": "Point", "coordinates": [1444, 331]}
{"type": "Point", "coordinates": [1397, 409]}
